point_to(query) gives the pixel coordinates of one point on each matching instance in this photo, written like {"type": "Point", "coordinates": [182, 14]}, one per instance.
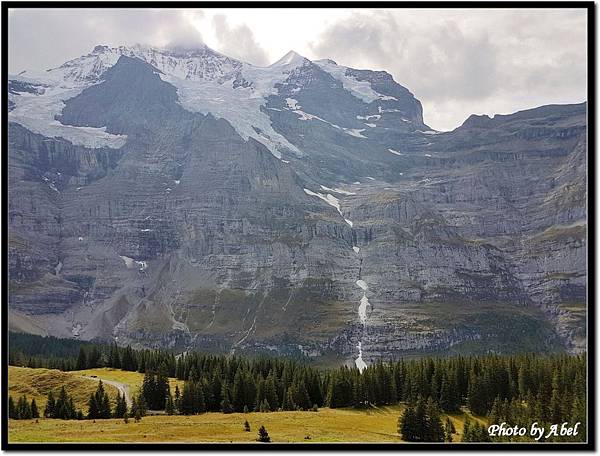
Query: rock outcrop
{"type": "Point", "coordinates": [299, 209]}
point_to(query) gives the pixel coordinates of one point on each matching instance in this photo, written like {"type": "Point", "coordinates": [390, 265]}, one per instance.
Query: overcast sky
{"type": "Point", "coordinates": [456, 62]}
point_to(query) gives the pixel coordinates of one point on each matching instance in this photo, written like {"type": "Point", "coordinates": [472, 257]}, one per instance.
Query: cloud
{"type": "Point", "coordinates": [456, 61]}
{"type": "Point", "coordinates": [43, 38]}
{"type": "Point", "coordinates": [465, 61]}
{"type": "Point", "coordinates": [238, 41]}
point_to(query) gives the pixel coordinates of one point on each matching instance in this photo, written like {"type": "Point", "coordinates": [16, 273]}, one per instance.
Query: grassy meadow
{"type": "Point", "coordinates": [132, 379]}
{"type": "Point", "coordinates": [37, 383]}
{"type": "Point", "coordinates": [325, 425]}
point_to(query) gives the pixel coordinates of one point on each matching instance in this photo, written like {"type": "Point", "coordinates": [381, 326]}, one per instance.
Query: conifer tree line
{"type": "Point", "coordinates": [22, 409]}
{"type": "Point", "coordinates": [422, 422]}
{"type": "Point", "coordinates": [99, 406]}
{"type": "Point", "coordinates": [518, 390]}
{"type": "Point", "coordinates": [61, 407]}
{"type": "Point", "coordinates": [512, 388]}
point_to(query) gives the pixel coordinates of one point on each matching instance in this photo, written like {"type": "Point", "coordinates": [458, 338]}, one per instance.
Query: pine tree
{"type": "Point", "coordinates": [578, 408]}
{"type": "Point", "coordinates": [142, 405]}
{"type": "Point", "coordinates": [496, 416]}
{"type": "Point", "coordinates": [358, 392]}
{"type": "Point", "coordinates": [421, 428]}
{"type": "Point", "coordinates": [449, 429]}
{"type": "Point", "coordinates": [149, 389]}
{"type": "Point", "coordinates": [105, 411]}
{"type": "Point", "coordinates": [120, 406]}
{"type": "Point", "coordinates": [477, 395]}
{"type": "Point", "coordinates": [138, 408]}
{"type": "Point", "coordinates": [198, 401]}
{"type": "Point", "coordinates": [216, 387]}
{"type": "Point", "coordinates": [555, 407]}
{"type": "Point", "coordinates": [50, 410]}
{"type": "Point", "coordinates": [99, 404]}
{"type": "Point", "coordinates": [287, 401]}
{"type": "Point", "coordinates": [542, 407]}
{"type": "Point", "coordinates": [226, 406]}
{"type": "Point", "coordinates": [93, 359]}
{"type": "Point", "coordinates": [260, 395]}
{"type": "Point", "coordinates": [128, 362]}
{"type": "Point", "coordinates": [480, 434]}
{"type": "Point", "coordinates": [187, 399]}
{"type": "Point", "coordinates": [177, 400]}
{"type": "Point", "coordinates": [138, 415]}
{"type": "Point", "coordinates": [271, 392]}
{"type": "Point", "coordinates": [407, 425]}
{"type": "Point", "coordinates": [64, 408]}
{"type": "Point", "coordinates": [114, 360]}
{"type": "Point", "coordinates": [244, 391]}
{"type": "Point", "coordinates": [12, 409]}
{"type": "Point", "coordinates": [466, 435]}
{"type": "Point", "coordinates": [135, 410]}
{"type": "Point", "coordinates": [247, 426]}
{"type": "Point", "coordinates": [162, 388]}
{"type": "Point", "coordinates": [23, 409]}
{"type": "Point", "coordinates": [263, 435]}
{"type": "Point", "coordinates": [35, 413]}
{"type": "Point", "coordinates": [300, 395]}
{"type": "Point", "coordinates": [93, 407]}
{"type": "Point", "coordinates": [81, 360]}
{"type": "Point", "coordinates": [170, 405]}
{"type": "Point", "coordinates": [435, 428]}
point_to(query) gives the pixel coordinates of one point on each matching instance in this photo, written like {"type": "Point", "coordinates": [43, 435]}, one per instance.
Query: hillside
{"type": "Point", "coordinates": [37, 383]}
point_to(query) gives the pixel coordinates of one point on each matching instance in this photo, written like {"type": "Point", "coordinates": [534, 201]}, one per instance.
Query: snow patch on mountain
{"type": "Point", "coordinates": [332, 201]}
{"type": "Point", "coordinates": [360, 89]}
{"type": "Point", "coordinates": [373, 116]}
{"type": "Point", "coordinates": [328, 198]}
{"type": "Point", "coordinates": [337, 190]}
{"type": "Point", "coordinates": [241, 105]}
{"type": "Point", "coordinates": [128, 261]}
{"type": "Point", "coordinates": [356, 132]}
{"type": "Point", "coordinates": [292, 104]}
{"type": "Point", "coordinates": [37, 112]}
{"type": "Point", "coordinates": [206, 82]}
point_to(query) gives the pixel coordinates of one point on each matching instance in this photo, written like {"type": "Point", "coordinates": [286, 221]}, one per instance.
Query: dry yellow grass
{"type": "Point", "coordinates": [37, 383]}
{"type": "Point", "coordinates": [132, 379]}
{"type": "Point", "coordinates": [326, 425]}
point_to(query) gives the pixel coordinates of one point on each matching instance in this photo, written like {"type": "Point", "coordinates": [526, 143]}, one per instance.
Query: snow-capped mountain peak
{"type": "Point", "coordinates": [209, 82]}
{"type": "Point", "coordinates": [291, 58]}
{"type": "Point", "coordinates": [201, 63]}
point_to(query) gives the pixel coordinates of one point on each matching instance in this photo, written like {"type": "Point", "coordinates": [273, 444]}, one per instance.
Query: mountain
{"type": "Point", "coordinates": [180, 198]}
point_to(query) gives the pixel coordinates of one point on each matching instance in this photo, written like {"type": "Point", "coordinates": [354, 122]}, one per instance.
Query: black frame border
{"type": "Point", "coordinates": [590, 445]}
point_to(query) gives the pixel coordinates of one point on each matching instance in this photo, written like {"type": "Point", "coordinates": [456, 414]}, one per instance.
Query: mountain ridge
{"type": "Point", "coordinates": [303, 209]}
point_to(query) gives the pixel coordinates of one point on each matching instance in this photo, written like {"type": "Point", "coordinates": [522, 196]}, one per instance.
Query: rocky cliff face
{"type": "Point", "coordinates": [184, 199]}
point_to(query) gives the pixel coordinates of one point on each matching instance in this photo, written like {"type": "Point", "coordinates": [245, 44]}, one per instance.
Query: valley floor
{"type": "Point", "coordinates": [326, 425]}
